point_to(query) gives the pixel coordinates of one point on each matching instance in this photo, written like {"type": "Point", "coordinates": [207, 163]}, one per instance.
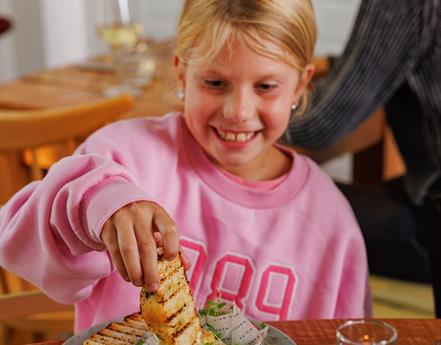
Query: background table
{"type": "Point", "coordinates": [86, 81]}
{"type": "Point", "coordinates": [322, 332]}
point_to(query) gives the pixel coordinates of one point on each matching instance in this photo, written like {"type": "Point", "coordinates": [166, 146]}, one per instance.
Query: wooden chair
{"type": "Point", "coordinates": [26, 314]}
{"type": "Point", "coordinates": [43, 136]}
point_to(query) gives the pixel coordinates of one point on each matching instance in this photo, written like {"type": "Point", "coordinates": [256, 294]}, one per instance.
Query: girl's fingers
{"type": "Point", "coordinates": [169, 233]}
{"type": "Point", "coordinates": [148, 253]}
{"type": "Point", "coordinates": [110, 240]}
{"type": "Point", "coordinates": [185, 262]}
{"type": "Point", "coordinates": [158, 238]}
{"type": "Point", "coordinates": [129, 251]}
{"type": "Point", "coordinates": [132, 237]}
{"type": "Point", "coordinates": [184, 259]}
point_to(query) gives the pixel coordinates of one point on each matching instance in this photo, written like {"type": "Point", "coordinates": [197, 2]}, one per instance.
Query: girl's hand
{"type": "Point", "coordinates": [131, 236]}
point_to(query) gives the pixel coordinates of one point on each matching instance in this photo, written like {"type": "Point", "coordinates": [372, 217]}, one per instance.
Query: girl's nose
{"type": "Point", "coordinates": [239, 107]}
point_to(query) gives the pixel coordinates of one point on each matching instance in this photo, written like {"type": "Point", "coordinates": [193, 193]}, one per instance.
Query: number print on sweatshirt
{"type": "Point", "coordinates": [269, 299]}
{"type": "Point", "coordinates": [234, 278]}
{"type": "Point", "coordinates": [197, 254]}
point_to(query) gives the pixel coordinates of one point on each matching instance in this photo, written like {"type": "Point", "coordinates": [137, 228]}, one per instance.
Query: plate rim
{"type": "Point", "coordinates": [83, 335]}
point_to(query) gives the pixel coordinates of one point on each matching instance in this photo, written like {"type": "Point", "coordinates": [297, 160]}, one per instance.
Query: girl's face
{"type": "Point", "coordinates": [238, 105]}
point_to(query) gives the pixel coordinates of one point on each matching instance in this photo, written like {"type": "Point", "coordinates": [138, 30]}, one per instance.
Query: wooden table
{"type": "Point", "coordinates": [322, 332]}
{"type": "Point", "coordinates": [78, 83]}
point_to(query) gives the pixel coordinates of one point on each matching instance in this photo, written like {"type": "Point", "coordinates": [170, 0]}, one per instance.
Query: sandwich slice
{"type": "Point", "coordinates": [170, 312]}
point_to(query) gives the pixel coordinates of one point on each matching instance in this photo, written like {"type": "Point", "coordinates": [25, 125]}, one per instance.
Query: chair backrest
{"type": "Point", "coordinates": [29, 130]}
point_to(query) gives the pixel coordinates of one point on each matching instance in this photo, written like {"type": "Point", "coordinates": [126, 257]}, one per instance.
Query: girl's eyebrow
{"type": "Point", "coordinates": [210, 69]}
{"type": "Point", "coordinates": [217, 73]}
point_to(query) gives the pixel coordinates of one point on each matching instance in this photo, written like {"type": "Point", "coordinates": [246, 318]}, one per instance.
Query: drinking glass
{"type": "Point", "coordinates": [120, 28]}
{"type": "Point", "coordinates": [366, 332]}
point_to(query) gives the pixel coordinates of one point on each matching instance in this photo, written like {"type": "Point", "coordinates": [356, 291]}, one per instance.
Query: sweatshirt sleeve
{"type": "Point", "coordinates": [386, 44]}
{"type": "Point", "coordinates": [50, 230]}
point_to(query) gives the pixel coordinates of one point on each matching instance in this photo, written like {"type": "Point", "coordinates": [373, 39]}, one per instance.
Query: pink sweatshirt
{"type": "Point", "coordinates": [294, 251]}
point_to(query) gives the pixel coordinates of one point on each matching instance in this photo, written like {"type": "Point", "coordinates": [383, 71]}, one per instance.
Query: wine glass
{"type": "Point", "coordinates": [120, 28]}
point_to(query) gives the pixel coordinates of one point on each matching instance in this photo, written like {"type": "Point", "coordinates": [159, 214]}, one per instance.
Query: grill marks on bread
{"type": "Point", "coordinates": [170, 312]}
{"type": "Point", "coordinates": [120, 333]}
{"type": "Point", "coordinates": [135, 325]}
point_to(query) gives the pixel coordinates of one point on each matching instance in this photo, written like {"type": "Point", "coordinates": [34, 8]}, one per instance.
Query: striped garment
{"type": "Point", "coordinates": [392, 59]}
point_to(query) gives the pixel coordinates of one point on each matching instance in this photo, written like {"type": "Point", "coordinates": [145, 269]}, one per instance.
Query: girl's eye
{"type": "Point", "coordinates": [215, 84]}
{"type": "Point", "coordinates": [266, 86]}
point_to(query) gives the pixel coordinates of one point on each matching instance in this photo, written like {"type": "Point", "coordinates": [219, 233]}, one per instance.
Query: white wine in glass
{"type": "Point", "coordinates": [116, 23]}
{"type": "Point", "coordinates": [120, 36]}
{"type": "Point", "coordinates": [119, 28]}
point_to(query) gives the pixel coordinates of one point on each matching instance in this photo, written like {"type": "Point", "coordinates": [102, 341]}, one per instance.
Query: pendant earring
{"type": "Point", "coordinates": [180, 94]}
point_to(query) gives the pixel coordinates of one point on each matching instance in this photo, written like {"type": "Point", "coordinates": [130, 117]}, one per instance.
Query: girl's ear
{"type": "Point", "coordinates": [180, 71]}
{"type": "Point", "coordinates": [305, 78]}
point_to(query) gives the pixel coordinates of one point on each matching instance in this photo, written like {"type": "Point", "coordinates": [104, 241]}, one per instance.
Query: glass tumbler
{"type": "Point", "coordinates": [366, 332]}
{"type": "Point", "coordinates": [134, 68]}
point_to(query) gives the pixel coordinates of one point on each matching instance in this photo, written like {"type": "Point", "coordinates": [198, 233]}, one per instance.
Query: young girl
{"type": "Point", "coordinates": [261, 225]}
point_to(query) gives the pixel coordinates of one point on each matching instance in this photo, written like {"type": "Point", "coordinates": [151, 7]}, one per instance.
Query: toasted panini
{"type": "Point", "coordinates": [170, 312]}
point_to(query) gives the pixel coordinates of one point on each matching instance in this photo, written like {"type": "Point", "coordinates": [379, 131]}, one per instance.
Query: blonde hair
{"type": "Point", "coordinates": [206, 26]}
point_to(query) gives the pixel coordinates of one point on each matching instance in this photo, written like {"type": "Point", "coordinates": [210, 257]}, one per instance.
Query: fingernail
{"type": "Point", "coordinates": [139, 283]}
{"type": "Point", "coordinates": [152, 287]}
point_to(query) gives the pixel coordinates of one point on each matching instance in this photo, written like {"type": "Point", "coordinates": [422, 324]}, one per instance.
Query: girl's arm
{"type": "Point", "coordinates": [50, 230]}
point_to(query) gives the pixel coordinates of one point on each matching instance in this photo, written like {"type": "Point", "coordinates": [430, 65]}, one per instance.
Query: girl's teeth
{"type": "Point", "coordinates": [241, 137]}
{"type": "Point", "coordinates": [231, 136]}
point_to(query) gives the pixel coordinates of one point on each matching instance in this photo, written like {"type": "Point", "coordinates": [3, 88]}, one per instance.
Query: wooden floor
{"type": "Point", "coordinates": [391, 299]}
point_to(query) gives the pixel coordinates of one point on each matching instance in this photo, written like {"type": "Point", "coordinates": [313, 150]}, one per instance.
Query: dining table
{"type": "Point", "coordinates": [87, 81]}
{"type": "Point", "coordinates": [323, 332]}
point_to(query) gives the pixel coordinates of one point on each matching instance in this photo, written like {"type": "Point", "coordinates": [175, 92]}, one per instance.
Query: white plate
{"type": "Point", "coordinates": [274, 337]}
